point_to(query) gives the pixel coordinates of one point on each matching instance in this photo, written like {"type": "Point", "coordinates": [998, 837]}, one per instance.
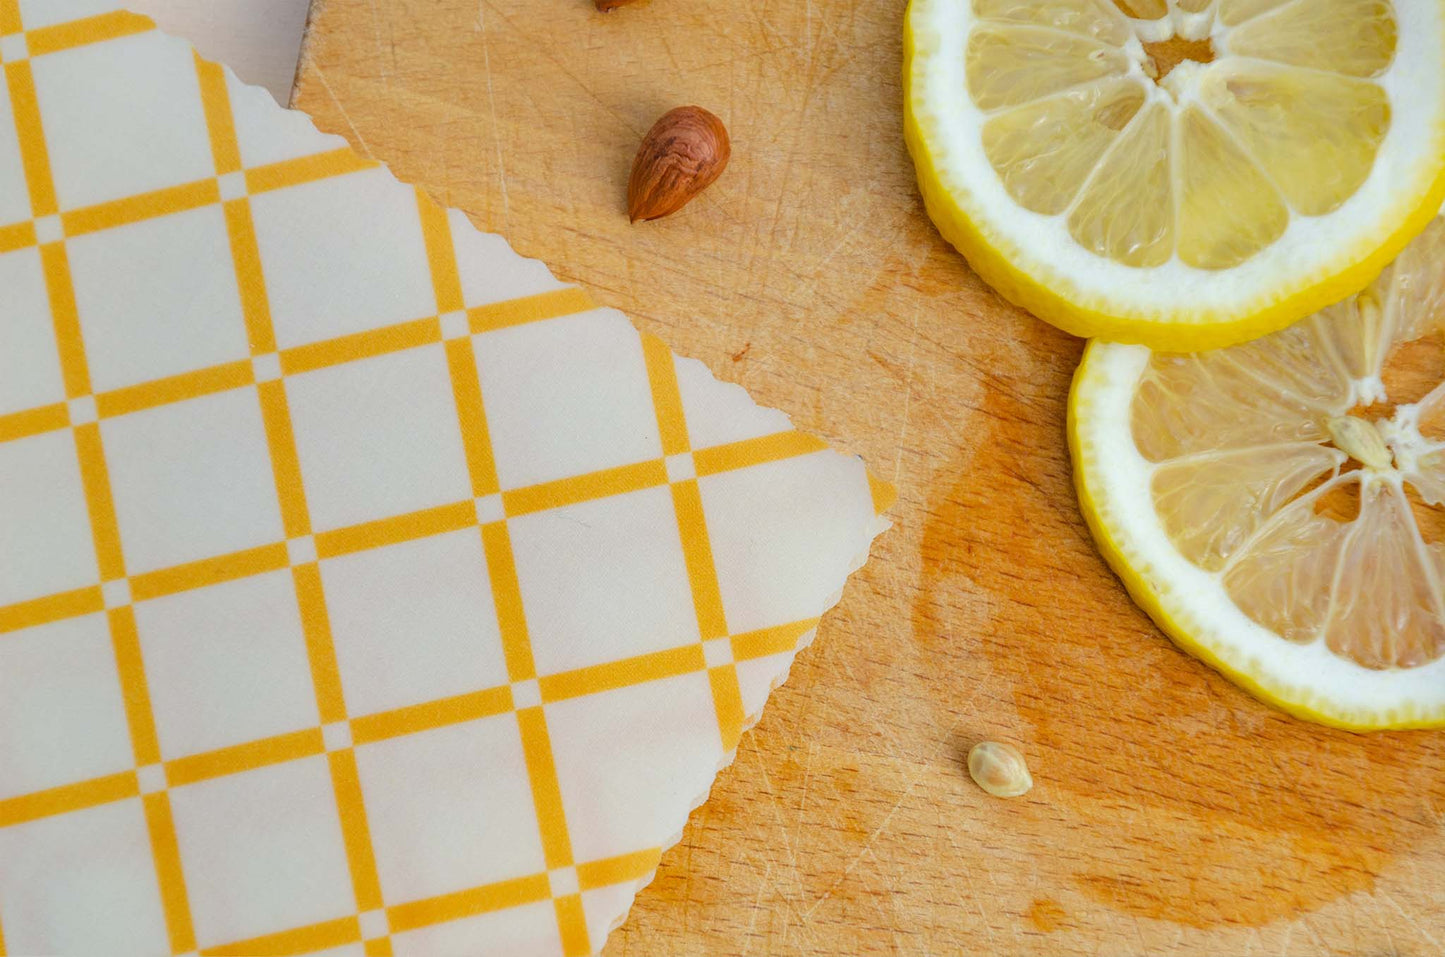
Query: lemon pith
{"type": "Point", "coordinates": [1213, 484]}
{"type": "Point", "coordinates": [1266, 229]}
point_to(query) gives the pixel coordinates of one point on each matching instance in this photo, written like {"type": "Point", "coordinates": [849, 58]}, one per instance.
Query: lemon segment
{"type": "Point", "coordinates": [1276, 509]}
{"type": "Point", "coordinates": [1096, 178]}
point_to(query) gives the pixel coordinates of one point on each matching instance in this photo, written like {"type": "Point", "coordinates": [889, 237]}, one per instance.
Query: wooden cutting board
{"type": "Point", "coordinates": [1171, 813]}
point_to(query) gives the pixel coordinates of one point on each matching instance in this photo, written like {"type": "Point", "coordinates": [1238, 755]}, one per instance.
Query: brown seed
{"type": "Point", "coordinates": [607, 6]}
{"type": "Point", "coordinates": [682, 155]}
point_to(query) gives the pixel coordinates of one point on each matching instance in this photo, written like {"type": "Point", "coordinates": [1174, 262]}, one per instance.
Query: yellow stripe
{"type": "Point", "coordinates": [301, 940]}
{"type": "Point", "coordinates": [377, 947]}
{"type": "Point", "coordinates": [95, 477]}
{"type": "Point", "coordinates": [285, 465]}
{"type": "Point", "coordinates": [216, 102]}
{"type": "Point", "coordinates": [401, 528]}
{"type": "Point", "coordinates": [3, 951]}
{"type": "Point", "coordinates": [166, 853]}
{"type": "Point", "coordinates": [66, 319]}
{"type": "Point", "coordinates": [244, 757]}
{"type": "Point", "coordinates": [134, 689]}
{"type": "Point", "coordinates": [517, 312]}
{"type": "Point", "coordinates": [468, 903]}
{"type": "Point", "coordinates": [618, 870]}
{"type": "Point", "coordinates": [320, 650]}
{"type": "Point", "coordinates": [209, 571]}
{"type": "Point", "coordinates": [727, 700]}
{"type": "Point", "coordinates": [884, 494]}
{"type": "Point", "coordinates": [476, 438]}
{"type": "Point", "coordinates": [354, 830]}
{"type": "Point", "coordinates": [572, 925]}
{"type": "Point", "coordinates": [306, 169]}
{"type": "Point", "coordinates": [622, 674]}
{"type": "Point", "coordinates": [431, 714]}
{"type": "Point", "coordinates": [771, 641]}
{"type": "Point", "coordinates": [697, 555]}
{"type": "Point", "coordinates": [134, 209]}
{"type": "Point", "coordinates": [666, 400]}
{"type": "Point", "coordinates": [40, 611]}
{"type": "Point", "coordinates": [177, 388]}
{"type": "Point", "coordinates": [46, 418]}
{"type": "Point", "coordinates": [507, 597]}
{"type": "Point", "coordinates": [71, 797]}
{"type": "Point", "coordinates": [546, 793]}
{"type": "Point", "coordinates": [440, 253]}
{"type": "Point", "coordinates": [75, 33]}
{"type": "Point", "coordinates": [361, 345]}
{"type": "Point", "coordinates": [18, 236]}
{"type": "Point", "coordinates": [34, 157]}
{"type": "Point", "coordinates": [750, 452]}
{"type": "Point", "coordinates": [584, 488]}
{"type": "Point", "coordinates": [250, 280]}
{"type": "Point", "coordinates": [10, 17]}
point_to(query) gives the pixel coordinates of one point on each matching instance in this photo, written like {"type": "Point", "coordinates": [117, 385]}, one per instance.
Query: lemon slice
{"type": "Point", "coordinates": [1276, 506]}
{"type": "Point", "coordinates": [1186, 175]}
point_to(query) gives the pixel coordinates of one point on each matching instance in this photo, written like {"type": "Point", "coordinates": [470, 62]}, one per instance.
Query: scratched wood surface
{"type": "Point", "coordinates": [1171, 814]}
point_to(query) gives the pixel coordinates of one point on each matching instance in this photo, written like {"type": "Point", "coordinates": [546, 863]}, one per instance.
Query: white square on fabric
{"type": "Point", "coordinates": [14, 197]}
{"type": "Point", "coordinates": [151, 778]}
{"type": "Point", "coordinates": [373, 924]}
{"type": "Point", "coordinates": [116, 594]}
{"type": "Point", "coordinates": [633, 761]}
{"type": "Point", "coordinates": [119, 99]}
{"type": "Point", "coordinates": [680, 467]}
{"type": "Point", "coordinates": [157, 298]}
{"type": "Point", "coordinates": [438, 802]}
{"type": "Point", "coordinates": [526, 694]}
{"type": "Point", "coordinates": [563, 881]}
{"type": "Point", "coordinates": [718, 414]}
{"type": "Point", "coordinates": [781, 550]}
{"type": "Point", "coordinates": [13, 48]}
{"type": "Point", "coordinates": [231, 186]}
{"type": "Point", "coordinates": [29, 359]}
{"type": "Point", "coordinates": [226, 664]}
{"type": "Point", "coordinates": [49, 229]}
{"type": "Point", "coordinates": [378, 437]}
{"type": "Point", "coordinates": [267, 135]}
{"type": "Point", "coordinates": [62, 717]}
{"type": "Point", "coordinates": [192, 480]}
{"type": "Point", "coordinates": [490, 509]}
{"type": "Point", "coordinates": [490, 270]}
{"type": "Point", "coordinates": [45, 522]}
{"type": "Point", "coordinates": [565, 397]}
{"type": "Point", "coordinates": [456, 325]}
{"type": "Point", "coordinates": [301, 551]}
{"type": "Point", "coordinates": [530, 929]}
{"type": "Point", "coordinates": [82, 883]}
{"type": "Point", "coordinates": [269, 842]}
{"type": "Point", "coordinates": [603, 580]}
{"type": "Point", "coordinates": [82, 410]}
{"type": "Point", "coordinates": [428, 597]}
{"type": "Point", "coordinates": [266, 367]}
{"type": "Point", "coordinates": [717, 652]}
{"type": "Point", "coordinates": [342, 255]}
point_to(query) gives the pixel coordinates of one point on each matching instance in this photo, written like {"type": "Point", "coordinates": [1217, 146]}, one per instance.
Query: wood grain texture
{"type": "Point", "coordinates": [1171, 814]}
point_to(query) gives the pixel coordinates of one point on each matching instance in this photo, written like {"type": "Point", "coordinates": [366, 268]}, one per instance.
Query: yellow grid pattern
{"type": "Point", "coordinates": [291, 497]}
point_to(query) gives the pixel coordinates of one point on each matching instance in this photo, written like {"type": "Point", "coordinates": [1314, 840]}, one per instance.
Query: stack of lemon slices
{"type": "Point", "coordinates": [1218, 191]}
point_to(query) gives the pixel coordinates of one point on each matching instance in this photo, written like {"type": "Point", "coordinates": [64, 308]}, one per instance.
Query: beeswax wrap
{"type": "Point", "coordinates": [363, 588]}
